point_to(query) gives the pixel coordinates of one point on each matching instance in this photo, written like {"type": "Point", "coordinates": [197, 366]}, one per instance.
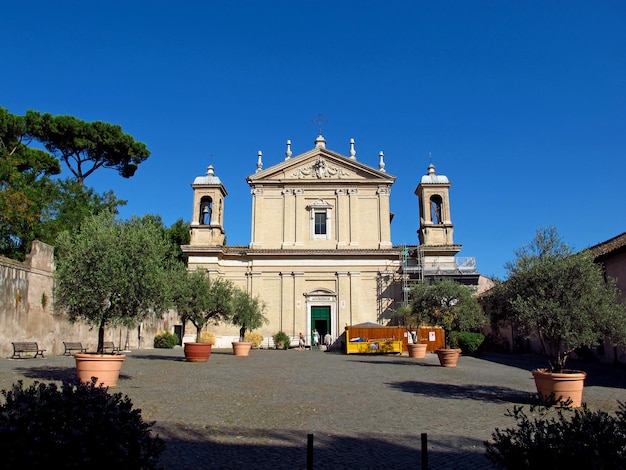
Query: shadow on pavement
{"type": "Point", "coordinates": [598, 373]}
{"type": "Point", "coordinates": [227, 448]}
{"type": "Point", "coordinates": [489, 393]}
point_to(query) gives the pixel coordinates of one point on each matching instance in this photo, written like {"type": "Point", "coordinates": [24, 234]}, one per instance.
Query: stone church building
{"type": "Point", "coordinates": [321, 255]}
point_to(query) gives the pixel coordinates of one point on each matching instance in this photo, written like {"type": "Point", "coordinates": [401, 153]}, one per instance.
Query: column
{"type": "Point", "coordinates": [298, 237]}
{"type": "Point", "coordinates": [384, 240]}
{"type": "Point", "coordinates": [353, 208]}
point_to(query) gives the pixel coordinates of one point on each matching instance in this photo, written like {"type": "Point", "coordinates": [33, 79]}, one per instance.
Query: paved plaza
{"type": "Point", "coordinates": [364, 411]}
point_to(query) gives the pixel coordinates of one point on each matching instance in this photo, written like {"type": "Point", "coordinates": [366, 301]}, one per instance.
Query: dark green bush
{"type": "Point", "coordinates": [470, 343]}
{"type": "Point", "coordinates": [572, 438]}
{"type": "Point", "coordinates": [282, 340]}
{"type": "Point", "coordinates": [166, 340]}
{"type": "Point", "coordinates": [75, 426]}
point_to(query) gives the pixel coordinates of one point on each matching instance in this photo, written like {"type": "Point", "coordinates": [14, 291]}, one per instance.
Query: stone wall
{"type": "Point", "coordinates": [27, 313]}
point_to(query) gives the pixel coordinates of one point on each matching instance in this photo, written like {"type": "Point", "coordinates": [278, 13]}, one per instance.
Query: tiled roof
{"type": "Point", "coordinates": [609, 246]}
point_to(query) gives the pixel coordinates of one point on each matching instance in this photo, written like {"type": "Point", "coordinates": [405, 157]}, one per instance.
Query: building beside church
{"type": "Point", "coordinates": [321, 255]}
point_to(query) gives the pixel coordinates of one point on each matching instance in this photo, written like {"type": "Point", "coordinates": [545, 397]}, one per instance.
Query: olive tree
{"type": "Point", "coordinates": [561, 298]}
{"type": "Point", "coordinates": [248, 312]}
{"type": "Point", "coordinates": [447, 304]}
{"type": "Point", "coordinates": [201, 300]}
{"type": "Point", "coordinates": [111, 272]}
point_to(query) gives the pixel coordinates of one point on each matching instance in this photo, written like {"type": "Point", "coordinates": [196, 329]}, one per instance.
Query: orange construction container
{"type": "Point", "coordinates": [375, 339]}
{"type": "Point", "coordinates": [434, 336]}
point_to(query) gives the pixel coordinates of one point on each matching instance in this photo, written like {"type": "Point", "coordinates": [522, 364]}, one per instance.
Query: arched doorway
{"type": "Point", "coordinates": [321, 308]}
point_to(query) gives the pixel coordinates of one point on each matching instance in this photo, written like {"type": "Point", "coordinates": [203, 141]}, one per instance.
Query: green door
{"type": "Point", "coordinates": [320, 321]}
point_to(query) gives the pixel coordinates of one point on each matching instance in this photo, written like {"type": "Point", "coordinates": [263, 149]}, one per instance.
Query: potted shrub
{"type": "Point", "coordinates": [247, 314]}
{"type": "Point", "coordinates": [200, 351]}
{"type": "Point", "coordinates": [110, 273]}
{"type": "Point", "coordinates": [281, 340]}
{"type": "Point", "coordinates": [449, 305]}
{"type": "Point", "coordinates": [562, 299]}
{"type": "Point", "coordinates": [406, 318]}
{"type": "Point", "coordinates": [255, 338]}
{"type": "Point", "coordinates": [201, 300]}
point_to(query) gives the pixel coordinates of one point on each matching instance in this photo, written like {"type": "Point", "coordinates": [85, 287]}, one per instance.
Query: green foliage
{"type": "Point", "coordinates": [574, 438]}
{"type": "Point", "coordinates": [281, 340]}
{"type": "Point", "coordinates": [77, 426]}
{"type": "Point", "coordinates": [561, 298]}
{"type": "Point", "coordinates": [111, 272]}
{"type": "Point", "coordinates": [179, 234]}
{"type": "Point", "coordinates": [200, 299]}
{"type": "Point", "coordinates": [68, 204]}
{"type": "Point", "coordinates": [165, 340]}
{"type": "Point", "coordinates": [24, 185]}
{"type": "Point", "coordinates": [87, 146]}
{"type": "Point", "coordinates": [468, 342]}
{"type": "Point", "coordinates": [32, 205]}
{"type": "Point", "coordinates": [447, 304]}
{"type": "Point", "coordinates": [248, 312]}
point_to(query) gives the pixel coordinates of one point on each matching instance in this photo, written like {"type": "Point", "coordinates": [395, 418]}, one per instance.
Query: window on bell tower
{"type": "Point", "coordinates": [436, 209]}
{"type": "Point", "coordinates": [206, 210]}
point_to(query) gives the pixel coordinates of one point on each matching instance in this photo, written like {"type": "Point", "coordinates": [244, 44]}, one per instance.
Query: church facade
{"type": "Point", "coordinates": [320, 254]}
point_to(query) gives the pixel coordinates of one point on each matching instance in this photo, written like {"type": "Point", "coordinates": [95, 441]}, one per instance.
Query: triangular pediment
{"type": "Point", "coordinates": [320, 165]}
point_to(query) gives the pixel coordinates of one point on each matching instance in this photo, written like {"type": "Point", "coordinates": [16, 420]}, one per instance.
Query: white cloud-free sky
{"type": "Point", "coordinates": [522, 104]}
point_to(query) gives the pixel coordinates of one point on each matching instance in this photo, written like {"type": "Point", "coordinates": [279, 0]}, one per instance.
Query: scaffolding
{"type": "Point", "coordinates": [414, 269]}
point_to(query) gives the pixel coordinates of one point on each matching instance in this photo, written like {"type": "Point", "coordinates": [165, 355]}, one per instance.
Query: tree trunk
{"type": "Point", "coordinates": [242, 333]}
{"type": "Point", "coordinates": [101, 338]}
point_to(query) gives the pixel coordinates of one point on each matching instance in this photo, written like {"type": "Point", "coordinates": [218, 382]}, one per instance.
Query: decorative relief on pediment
{"type": "Point", "coordinates": [320, 169]}
{"type": "Point", "coordinates": [320, 203]}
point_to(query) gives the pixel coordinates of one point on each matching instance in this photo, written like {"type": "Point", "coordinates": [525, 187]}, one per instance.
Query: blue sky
{"type": "Point", "coordinates": [522, 104]}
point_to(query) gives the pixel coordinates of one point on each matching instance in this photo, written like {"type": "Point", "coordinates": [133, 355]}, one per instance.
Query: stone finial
{"type": "Point", "coordinates": [352, 151]}
{"type": "Point", "coordinates": [288, 152]}
{"type": "Point", "coordinates": [381, 163]}
{"type": "Point", "coordinates": [320, 142]}
{"type": "Point", "coordinates": [259, 162]}
{"type": "Point", "coordinates": [210, 171]}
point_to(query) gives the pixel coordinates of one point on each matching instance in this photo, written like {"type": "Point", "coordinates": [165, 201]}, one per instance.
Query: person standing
{"type": "Point", "coordinates": [327, 341]}
{"type": "Point", "coordinates": [316, 338]}
{"type": "Point", "coordinates": [301, 342]}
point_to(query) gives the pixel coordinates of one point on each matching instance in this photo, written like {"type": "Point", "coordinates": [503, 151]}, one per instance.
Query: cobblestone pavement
{"type": "Point", "coordinates": [364, 411]}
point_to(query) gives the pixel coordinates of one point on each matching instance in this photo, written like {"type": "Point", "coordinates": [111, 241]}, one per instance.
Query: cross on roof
{"type": "Point", "coordinates": [320, 121]}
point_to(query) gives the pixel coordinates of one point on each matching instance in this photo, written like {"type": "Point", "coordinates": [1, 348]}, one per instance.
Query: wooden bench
{"type": "Point", "coordinates": [69, 347]}
{"type": "Point", "coordinates": [20, 348]}
{"type": "Point", "coordinates": [108, 346]}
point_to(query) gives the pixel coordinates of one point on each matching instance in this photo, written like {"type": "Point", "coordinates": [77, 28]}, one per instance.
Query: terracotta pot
{"type": "Point", "coordinates": [198, 352]}
{"type": "Point", "coordinates": [417, 350]}
{"type": "Point", "coordinates": [106, 367]}
{"type": "Point", "coordinates": [448, 357]}
{"type": "Point", "coordinates": [566, 385]}
{"type": "Point", "coordinates": [241, 348]}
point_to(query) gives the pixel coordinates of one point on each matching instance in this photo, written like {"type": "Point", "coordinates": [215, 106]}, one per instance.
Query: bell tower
{"type": "Point", "coordinates": [207, 221]}
{"type": "Point", "coordinates": [436, 229]}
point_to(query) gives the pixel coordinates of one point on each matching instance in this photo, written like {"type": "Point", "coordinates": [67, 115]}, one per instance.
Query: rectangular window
{"type": "Point", "coordinates": [320, 223]}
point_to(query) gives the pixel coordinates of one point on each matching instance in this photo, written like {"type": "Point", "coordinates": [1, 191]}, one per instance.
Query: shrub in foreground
{"type": "Point", "coordinates": [571, 438]}
{"type": "Point", "coordinates": [79, 425]}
